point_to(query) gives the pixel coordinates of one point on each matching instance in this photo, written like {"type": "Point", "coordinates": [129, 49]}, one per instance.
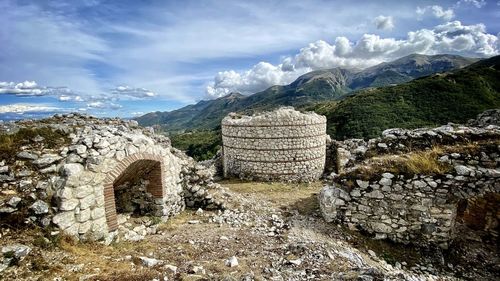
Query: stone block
{"type": "Point", "coordinates": [64, 219]}
{"type": "Point", "coordinates": [68, 204]}
{"type": "Point", "coordinates": [87, 202]}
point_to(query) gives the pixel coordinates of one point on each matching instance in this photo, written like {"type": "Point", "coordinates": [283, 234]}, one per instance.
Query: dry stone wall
{"type": "Point", "coordinates": [282, 145]}
{"type": "Point", "coordinates": [342, 156]}
{"type": "Point", "coordinates": [421, 208]}
{"type": "Point", "coordinates": [73, 186]}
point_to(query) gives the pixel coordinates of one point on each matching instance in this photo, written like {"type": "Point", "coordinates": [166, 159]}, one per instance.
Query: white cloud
{"type": "Point", "coordinates": [21, 108]}
{"type": "Point", "coordinates": [437, 11]}
{"type": "Point", "coordinates": [103, 105]}
{"type": "Point", "coordinates": [31, 88]}
{"type": "Point", "coordinates": [369, 50]}
{"type": "Point", "coordinates": [384, 22]}
{"type": "Point", "coordinates": [133, 92]}
{"type": "Point", "coordinates": [71, 98]}
{"type": "Point", "coordinates": [477, 3]}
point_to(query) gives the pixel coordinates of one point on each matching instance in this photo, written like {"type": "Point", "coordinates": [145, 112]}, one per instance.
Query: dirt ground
{"type": "Point", "coordinates": [274, 231]}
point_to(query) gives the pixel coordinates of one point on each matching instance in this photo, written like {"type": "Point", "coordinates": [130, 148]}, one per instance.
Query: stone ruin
{"type": "Point", "coordinates": [421, 208]}
{"type": "Point", "coordinates": [282, 145]}
{"type": "Point", "coordinates": [108, 165]}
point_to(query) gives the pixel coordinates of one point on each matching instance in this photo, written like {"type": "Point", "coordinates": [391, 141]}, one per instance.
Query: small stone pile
{"type": "Point", "coordinates": [200, 190]}
{"type": "Point", "coordinates": [134, 198]}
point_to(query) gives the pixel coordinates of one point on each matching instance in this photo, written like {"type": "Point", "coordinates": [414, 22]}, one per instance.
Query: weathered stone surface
{"type": "Point", "coordinates": [420, 208]}
{"type": "Point", "coordinates": [19, 251]}
{"type": "Point", "coordinates": [27, 155]}
{"type": "Point", "coordinates": [462, 170]}
{"type": "Point", "coordinates": [46, 160]}
{"type": "Point", "coordinates": [232, 262]}
{"type": "Point", "coordinates": [13, 201]}
{"type": "Point", "coordinates": [68, 205]}
{"type": "Point", "coordinates": [72, 169]}
{"type": "Point", "coordinates": [69, 185]}
{"type": "Point", "coordinates": [64, 219]}
{"type": "Point", "coordinates": [150, 262]}
{"type": "Point", "coordinates": [282, 145]}
{"type": "Point", "coordinates": [40, 207]}
{"type": "Point", "coordinates": [362, 184]}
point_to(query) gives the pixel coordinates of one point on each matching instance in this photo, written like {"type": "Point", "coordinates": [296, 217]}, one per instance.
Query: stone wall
{"type": "Point", "coordinates": [283, 145]}
{"type": "Point", "coordinates": [73, 186]}
{"type": "Point", "coordinates": [418, 208]}
{"type": "Point", "coordinates": [342, 156]}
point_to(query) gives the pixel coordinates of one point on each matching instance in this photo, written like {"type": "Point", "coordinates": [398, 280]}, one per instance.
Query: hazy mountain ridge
{"type": "Point", "coordinates": [308, 89]}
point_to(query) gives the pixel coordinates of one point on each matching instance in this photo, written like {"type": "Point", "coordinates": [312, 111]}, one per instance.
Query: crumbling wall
{"type": "Point", "coordinates": [283, 145]}
{"type": "Point", "coordinates": [417, 208]}
{"type": "Point", "coordinates": [72, 186]}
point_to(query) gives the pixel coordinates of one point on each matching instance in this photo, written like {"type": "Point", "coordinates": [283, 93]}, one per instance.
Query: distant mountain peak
{"type": "Point", "coordinates": [313, 87]}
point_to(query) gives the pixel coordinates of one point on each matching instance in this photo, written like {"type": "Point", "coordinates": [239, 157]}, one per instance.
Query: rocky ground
{"type": "Point", "coordinates": [272, 232]}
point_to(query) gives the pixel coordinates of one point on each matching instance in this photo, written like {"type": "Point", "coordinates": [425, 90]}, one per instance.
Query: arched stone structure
{"type": "Point", "coordinates": [87, 206]}
{"type": "Point", "coordinates": [133, 167]}
{"type": "Point", "coordinates": [101, 167]}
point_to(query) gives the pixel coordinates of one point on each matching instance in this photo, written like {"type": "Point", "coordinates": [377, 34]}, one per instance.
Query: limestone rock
{"type": "Point", "coordinates": [40, 207]}
{"type": "Point", "coordinates": [27, 155]}
{"type": "Point", "coordinates": [19, 251]}
{"type": "Point", "coordinates": [13, 201]}
{"type": "Point", "coordinates": [150, 262]}
{"type": "Point", "coordinates": [232, 262]}
{"type": "Point", "coordinates": [72, 169]}
{"type": "Point", "coordinates": [46, 160]}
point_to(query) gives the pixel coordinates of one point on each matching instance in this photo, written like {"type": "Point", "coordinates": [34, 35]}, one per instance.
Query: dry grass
{"type": "Point", "coordinates": [414, 163]}
{"type": "Point", "coordinates": [298, 196]}
{"type": "Point", "coordinates": [422, 162]}
{"type": "Point", "coordinates": [273, 190]}
{"type": "Point", "coordinates": [176, 221]}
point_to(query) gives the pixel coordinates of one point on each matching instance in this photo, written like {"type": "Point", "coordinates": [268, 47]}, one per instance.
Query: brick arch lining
{"type": "Point", "coordinates": [132, 167]}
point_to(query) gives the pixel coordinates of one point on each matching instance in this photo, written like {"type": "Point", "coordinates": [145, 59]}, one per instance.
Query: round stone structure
{"type": "Point", "coordinates": [281, 145]}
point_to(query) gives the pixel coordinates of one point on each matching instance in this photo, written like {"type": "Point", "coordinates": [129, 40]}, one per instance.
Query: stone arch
{"type": "Point", "coordinates": [479, 213]}
{"type": "Point", "coordinates": [131, 167]}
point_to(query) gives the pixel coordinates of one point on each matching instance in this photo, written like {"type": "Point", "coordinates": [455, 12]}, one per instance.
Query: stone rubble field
{"type": "Point", "coordinates": [272, 232]}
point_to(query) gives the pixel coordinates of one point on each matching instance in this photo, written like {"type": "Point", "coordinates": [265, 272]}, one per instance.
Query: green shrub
{"type": "Point", "coordinates": [201, 145]}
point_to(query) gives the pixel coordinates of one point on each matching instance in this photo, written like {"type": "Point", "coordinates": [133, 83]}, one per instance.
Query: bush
{"type": "Point", "coordinates": [201, 145]}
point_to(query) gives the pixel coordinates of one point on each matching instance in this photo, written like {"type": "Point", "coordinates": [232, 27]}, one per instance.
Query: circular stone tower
{"type": "Point", "coordinates": [281, 145]}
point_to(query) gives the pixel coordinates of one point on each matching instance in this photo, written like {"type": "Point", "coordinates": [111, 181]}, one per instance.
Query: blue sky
{"type": "Point", "coordinates": [126, 58]}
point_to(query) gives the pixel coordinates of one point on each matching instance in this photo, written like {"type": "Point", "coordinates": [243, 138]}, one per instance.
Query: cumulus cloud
{"type": "Point", "coordinates": [133, 92]}
{"type": "Point", "coordinates": [437, 11]}
{"type": "Point", "coordinates": [31, 88]}
{"type": "Point", "coordinates": [383, 22]}
{"type": "Point", "coordinates": [452, 37]}
{"type": "Point", "coordinates": [21, 108]}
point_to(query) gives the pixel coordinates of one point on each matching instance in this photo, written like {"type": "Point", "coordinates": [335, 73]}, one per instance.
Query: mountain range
{"type": "Point", "coordinates": [437, 99]}
{"type": "Point", "coordinates": [307, 90]}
